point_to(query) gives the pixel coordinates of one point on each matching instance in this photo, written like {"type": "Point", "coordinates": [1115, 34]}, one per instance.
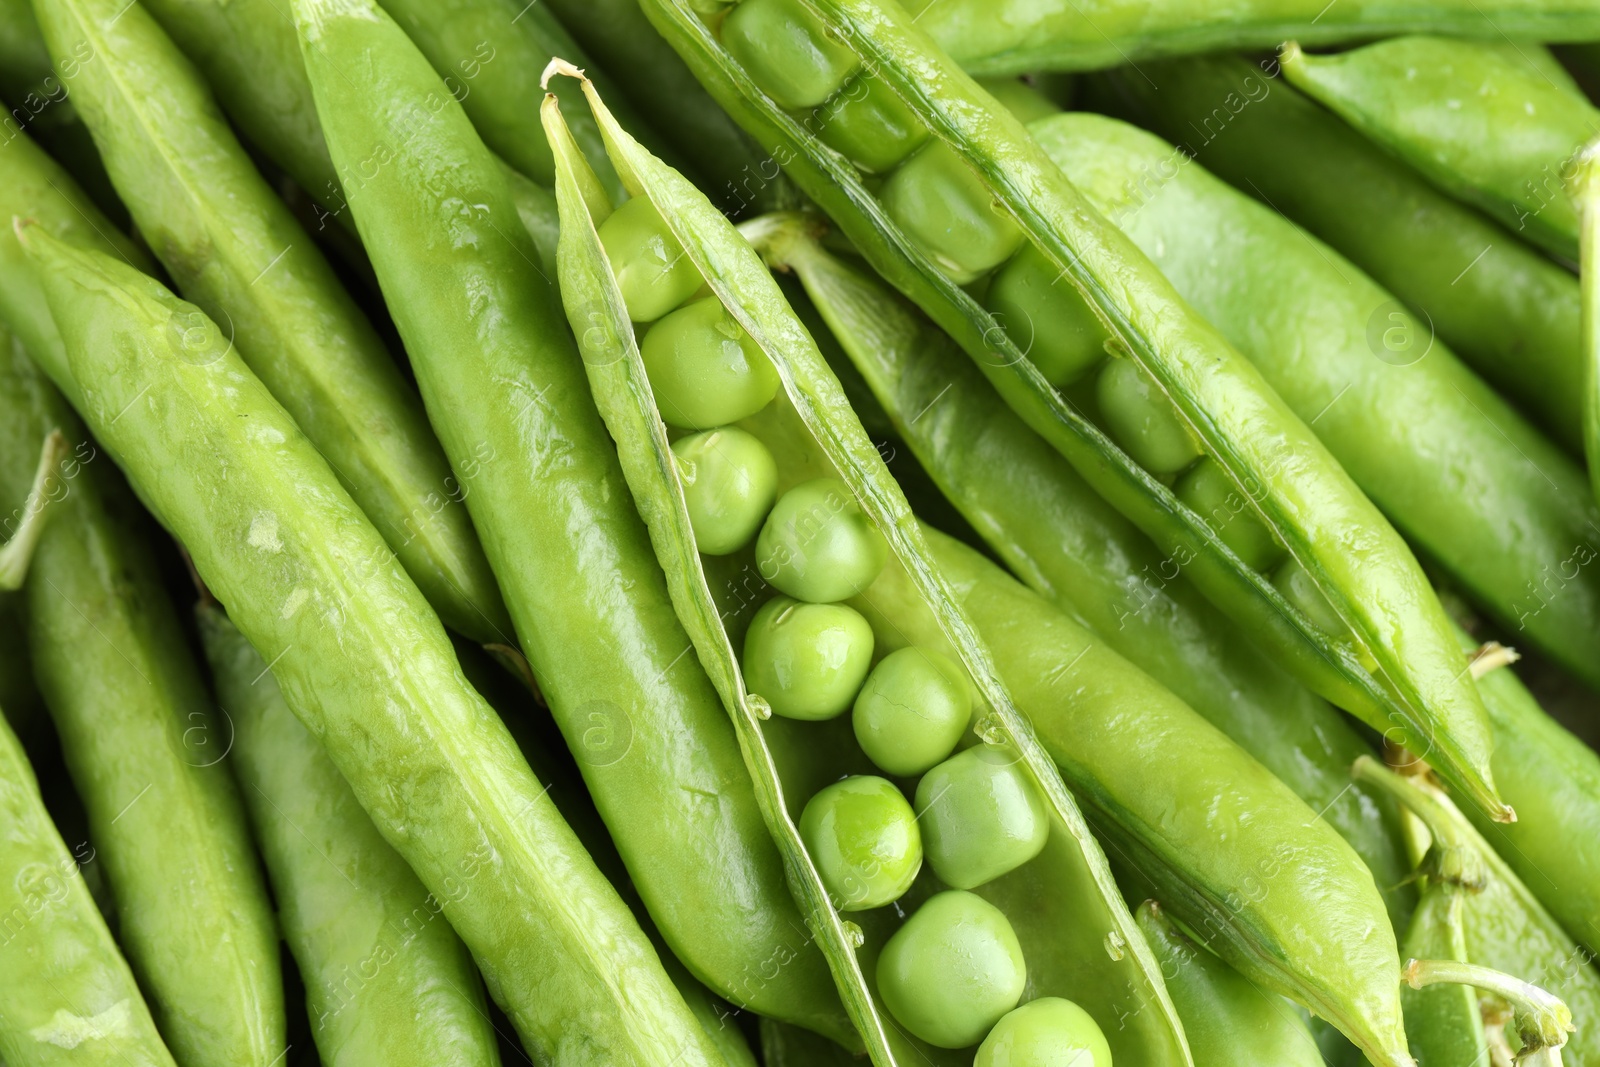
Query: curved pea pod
{"type": "Point", "coordinates": [1160, 790]}
{"type": "Point", "coordinates": [1586, 191]}
{"type": "Point", "coordinates": [1391, 661]}
{"type": "Point", "coordinates": [736, 172]}
{"type": "Point", "coordinates": [143, 750]}
{"type": "Point", "coordinates": [1459, 471]}
{"type": "Point", "coordinates": [1555, 777]}
{"type": "Point", "coordinates": [305, 576]}
{"type": "Point", "coordinates": [1492, 123]}
{"type": "Point", "coordinates": [1021, 36]}
{"type": "Point", "coordinates": [1506, 308]}
{"type": "Point", "coordinates": [69, 996]}
{"type": "Point", "coordinates": [1081, 942]}
{"type": "Point", "coordinates": [1228, 1019]}
{"type": "Point", "coordinates": [1075, 550]}
{"type": "Point", "coordinates": [1504, 927]}
{"type": "Point", "coordinates": [505, 389]}
{"type": "Point", "coordinates": [348, 903]}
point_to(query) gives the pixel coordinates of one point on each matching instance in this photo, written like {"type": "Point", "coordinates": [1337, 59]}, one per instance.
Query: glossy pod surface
{"type": "Point", "coordinates": [232, 245]}
{"type": "Point", "coordinates": [1022, 36]}
{"type": "Point", "coordinates": [1072, 548]}
{"type": "Point", "coordinates": [348, 903]}
{"type": "Point", "coordinates": [1503, 306]}
{"type": "Point", "coordinates": [143, 747]}
{"type": "Point", "coordinates": [506, 393]}
{"type": "Point", "coordinates": [81, 1000]}
{"type": "Point", "coordinates": [1394, 665]}
{"type": "Point", "coordinates": [306, 576]}
{"type": "Point", "coordinates": [1462, 475]}
{"type": "Point", "coordinates": [1495, 124]}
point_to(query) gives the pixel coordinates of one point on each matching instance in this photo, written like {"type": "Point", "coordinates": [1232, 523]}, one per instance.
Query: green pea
{"type": "Point", "coordinates": [1046, 318]}
{"type": "Point", "coordinates": [1207, 489]}
{"type": "Point", "coordinates": [704, 369]}
{"type": "Point", "coordinates": [651, 268]}
{"type": "Point", "coordinates": [729, 482]}
{"type": "Point", "coordinates": [787, 51]}
{"type": "Point", "coordinates": [807, 660]}
{"type": "Point", "coordinates": [912, 711]}
{"type": "Point", "coordinates": [1141, 419]}
{"type": "Point", "coordinates": [818, 546]}
{"type": "Point", "coordinates": [943, 207]}
{"type": "Point", "coordinates": [869, 123]}
{"type": "Point", "coordinates": [1048, 1032]}
{"type": "Point", "coordinates": [981, 816]}
{"type": "Point", "coordinates": [952, 970]}
{"type": "Point", "coordinates": [864, 839]}
{"type": "Point", "coordinates": [1300, 589]}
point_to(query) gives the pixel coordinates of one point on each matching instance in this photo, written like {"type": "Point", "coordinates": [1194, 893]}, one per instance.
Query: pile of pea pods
{"type": "Point", "coordinates": [721, 533]}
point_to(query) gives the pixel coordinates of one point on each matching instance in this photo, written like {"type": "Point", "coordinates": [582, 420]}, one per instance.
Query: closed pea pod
{"type": "Point", "coordinates": [1067, 954]}
{"type": "Point", "coordinates": [1307, 502]}
{"type": "Point", "coordinates": [234, 247]}
{"type": "Point", "coordinates": [419, 999]}
{"type": "Point", "coordinates": [143, 748]}
{"type": "Point", "coordinates": [269, 529]}
{"type": "Point", "coordinates": [1494, 124]}
{"type": "Point", "coordinates": [1068, 545]}
{"type": "Point", "coordinates": [505, 391]}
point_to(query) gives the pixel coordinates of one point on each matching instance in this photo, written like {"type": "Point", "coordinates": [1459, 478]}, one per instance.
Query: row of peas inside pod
{"type": "Point", "coordinates": [946, 212]}
{"type": "Point", "coordinates": [953, 973]}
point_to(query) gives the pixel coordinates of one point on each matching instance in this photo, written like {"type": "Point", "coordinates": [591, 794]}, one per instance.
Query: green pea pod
{"type": "Point", "coordinates": [505, 389]}
{"type": "Point", "coordinates": [1586, 191]}
{"type": "Point", "coordinates": [1504, 307]}
{"type": "Point", "coordinates": [1270, 906]}
{"type": "Point", "coordinates": [305, 576]}
{"type": "Point", "coordinates": [233, 246]}
{"type": "Point", "coordinates": [1490, 123]}
{"type": "Point", "coordinates": [1443, 1022]}
{"type": "Point", "coordinates": [142, 748]}
{"type": "Point", "coordinates": [349, 904]}
{"type": "Point", "coordinates": [1021, 36]}
{"type": "Point", "coordinates": [1392, 662]}
{"type": "Point", "coordinates": [1229, 1020]}
{"type": "Point", "coordinates": [1064, 902]}
{"type": "Point", "coordinates": [789, 1046]}
{"type": "Point", "coordinates": [1555, 778]}
{"type": "Point", "coordinates": [1072, 548]}
{"type": "Point", "coordinates": [69, 997]}
{"type": "Point", "coordinates": [1461, 474]}
{"type": "Point", "coordinates": [737, 173]}
{"type": "Point", "coordinates": [1504, 925]}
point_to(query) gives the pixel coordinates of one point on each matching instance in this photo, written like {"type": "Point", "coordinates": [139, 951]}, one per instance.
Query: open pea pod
{"type": "Point", "coordinates": [1350, 612]}
{"type": "Point", "coordinates": [1020, 36]}
{"type": "Point", "coordinates": [1494, 124]}
{"type": "Point", "coordinates": [1082, 941]}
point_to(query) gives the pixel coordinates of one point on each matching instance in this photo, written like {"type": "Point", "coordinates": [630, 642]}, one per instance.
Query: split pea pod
{"type": "Point", "coordinates": [1230, 1021]}
{"type": "Point", "coordinates": [799, 467]}
{"type": "Point", "coordinates": [1464, 477]}
{"type": "Point", "coordinates": [387, 980]}
{"type": "Point", "coordinates": [504, 386]}
{"type": "Point", "coordinates": [1494, 124]}
{"type": "Point", "coordinates": [79, 1003]}
{"type": "Point", "coordinates": [365, 665]}
{"type": "Point", "coordinates": [1075, 550]}
{"type": "Point", "coordinates": [142, 747]}
{"type": "Point", "coordinates": [1503, 306]}
{"type": "Point", "coordinates": [1022, 36]}
{"type": "Point", "coordinates": [1342, 602]}
{"type": "Point", "coordinates": [1256, 904]}
{"type": "Point", "coordinates": [233, 246]}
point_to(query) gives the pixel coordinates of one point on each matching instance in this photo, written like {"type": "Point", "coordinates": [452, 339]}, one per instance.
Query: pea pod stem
{"type": "Point", "coordinates": [17, 552]}
{"type": "Point", "coordinates": [1585, 188]}
{"type": "Point", "coordinates": [739, 279]}
{"type": "Point", "coordinates": [1542, 1020]}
